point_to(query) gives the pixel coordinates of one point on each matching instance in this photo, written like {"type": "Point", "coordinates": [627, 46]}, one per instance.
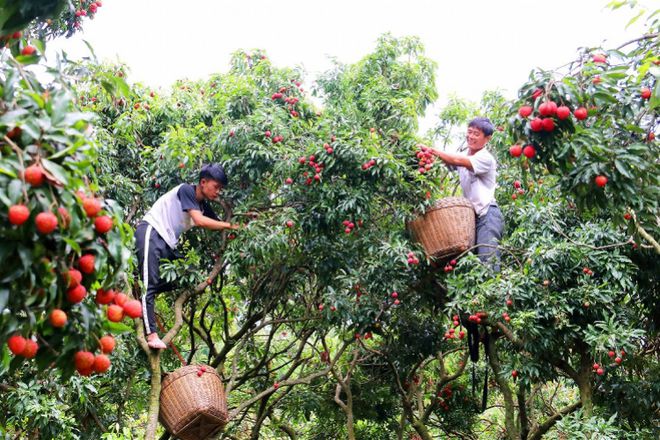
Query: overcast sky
{"type": "Point", "coordinates": [478, 44]}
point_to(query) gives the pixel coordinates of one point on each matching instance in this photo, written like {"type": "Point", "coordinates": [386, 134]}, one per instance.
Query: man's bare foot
{"type": "Point", "coordinates": [153, 341]}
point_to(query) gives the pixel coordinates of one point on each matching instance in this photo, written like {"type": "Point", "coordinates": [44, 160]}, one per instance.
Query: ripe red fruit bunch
{"type": "Point", "coordinates": [20, 346]}
{"type": "Point", "coordinates": [426, 159]}
{"type": "Point", "coordinates": [318, 168]}
{"type": "Point", "coordinates": [477, 317]}
{"type": "Point", "coordinates": [348, 225]}
{"type": "Point", "coordinates": [598, 369]}
{"type": "Point", "coordinates": [291, 100]}
{"type": "Point", "coordinates": [87, 363]}
{"type": "Point", "coordinates": [517, 150]}
{"type": "Point", "coordinates": [412, 259]}
{"type": "Point", "coordinates": [368, 164]}
{"type": "Point", "coordinates": [328, 148]}
{"type": "Point", "coordinates": [123, 306]}
{"type": "Point", "coordinates": [450, 265]}
{"type": "Point", "coordinates": [618, 359]}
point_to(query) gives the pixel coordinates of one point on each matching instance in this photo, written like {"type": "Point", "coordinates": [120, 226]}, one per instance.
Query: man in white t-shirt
{"type": "Point", "coordinates": [156, 236]}
{"type": "Point", "coordinates": [478, 172]}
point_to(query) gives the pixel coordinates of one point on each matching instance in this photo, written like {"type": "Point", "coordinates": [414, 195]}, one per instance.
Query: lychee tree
{"type": "Point", "coordinates": [593, 123]}
{"type": "Point", "coordinates": [43, 18]}
{"type": "Point", "coordinates": [323, 294]}
{"type": "Point", "coordinates": [60, 240]}
{"type": "Point", "coordinates": [319, 188]}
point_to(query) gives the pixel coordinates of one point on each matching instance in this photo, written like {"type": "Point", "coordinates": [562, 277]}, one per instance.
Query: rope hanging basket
{"type": "Point", "coordinates": [446, 229]}
{"type": "Point", "coordinates": [193, 405]}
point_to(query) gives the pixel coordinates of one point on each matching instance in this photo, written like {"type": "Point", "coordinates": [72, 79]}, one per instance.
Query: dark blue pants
{"type": "Point", "coordinates": [151, 248]}
{"type": "Point", "coordinates": [489, 232]}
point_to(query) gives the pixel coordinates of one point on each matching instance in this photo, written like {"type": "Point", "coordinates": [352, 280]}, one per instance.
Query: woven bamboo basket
{"type": "Point", "coordinates": [193, 405]}
{"type": "Point", "coordinates": [446, 229]}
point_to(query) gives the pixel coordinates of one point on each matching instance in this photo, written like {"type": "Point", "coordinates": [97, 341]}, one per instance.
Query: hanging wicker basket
{"type": "Point", "coordinates": [446, 229]}
{"type": "Point", "coordinates": [193, 405]}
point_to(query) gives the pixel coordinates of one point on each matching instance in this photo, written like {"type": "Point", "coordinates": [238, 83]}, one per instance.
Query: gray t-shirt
{"type": "Point", "coordinates": [479, 185]}
{"type": "Point", "coordinates": [169, 216]}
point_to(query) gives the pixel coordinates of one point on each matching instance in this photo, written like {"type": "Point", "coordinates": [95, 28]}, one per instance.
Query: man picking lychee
{"type": "Point", "coordinates": [477, 171]}
{"type": "Point", "coordinates": [157, 234]}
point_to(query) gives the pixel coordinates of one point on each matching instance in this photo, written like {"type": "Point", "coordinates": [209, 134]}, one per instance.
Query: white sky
{"type": "Point", "coordinates": [478, 44]}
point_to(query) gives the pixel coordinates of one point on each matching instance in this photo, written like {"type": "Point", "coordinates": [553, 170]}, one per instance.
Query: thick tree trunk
{"type": "Point", "coordinates": [586, 395]}
{"type": "Point", "coordinates": [154, 395]}
{"type": "Point", "coordinates": [522, 414]}
{"type": "Point", "coordinates": [347, 407]}
{"type": "Point", "coordinates": [350, 427]}
{"type": "Point", "coordinates": [507, 394]}
{"type": "Point", "coordinates": [421, 429]}
{"type": "Point", "coordinates": [584, 383]}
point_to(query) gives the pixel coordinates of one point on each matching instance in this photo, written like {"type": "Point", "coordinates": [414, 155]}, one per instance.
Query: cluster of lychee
{"type": "Point", "coordinates": [87, 362]}
{"type": "Point", "coordinates": [349, 225]}
{"type": "Point", "coordinates": [6, 41]}
{"type": "Point", "coordinates": [46, 222]}
{"type": "Point", "coordinates": [618, 359]}
{"type": "Point", "coordinates": [412, 258]}
{"type": "Point", "coordinates": [426, 159]}
{"type": "Point", "coordinates": [86, 10]}
{"type": "Point", "coordinates": [477, 317]}
{"type": "Point", "coordinates": [311, 162]}
{"type": "Point", "coordinates": [291, 101]}
{"type": "Point", "coordinates": [20, 346]}
{"type": "Point", "coordinates": [519, 190]}
{"type": "Point", "coordinates": [451, 333]}
{"type": "Point", "coordinates": [368, 164]}
{"type": "Point", "coordinates": [118, 305]}
{"type": "Point", "coordinates": [274, 139]}
{"type": "Point", "coordinates": [450, 265]}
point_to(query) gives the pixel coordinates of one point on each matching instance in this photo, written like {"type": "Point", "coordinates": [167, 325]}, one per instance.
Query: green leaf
{"type": "Point", "coordinates": [27, 60]}
{"type": "Point", "coordinates": [635, 18]}
{"type": "Point", "coordinates": [56, 170]}
{"type": "Point", "coordinates": [4, 299]}
{"type": "Point", "coordinates": [621, 167]}
{"type": "Point", "coordinates": [73, 243]}
{"type": "Point", "coordinates": [116, 327]}
{"type": "Point", "coordinates": [15, 190]}
{"type": "Point", "coordinates": [11, 117]}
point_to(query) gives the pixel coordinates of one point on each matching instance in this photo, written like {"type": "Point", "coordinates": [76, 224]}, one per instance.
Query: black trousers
{"type": "Point", "coordinates": [151, 248]}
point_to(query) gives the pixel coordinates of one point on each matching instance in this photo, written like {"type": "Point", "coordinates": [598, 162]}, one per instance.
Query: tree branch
{"type": "Point", "coordinates": [539, 431]}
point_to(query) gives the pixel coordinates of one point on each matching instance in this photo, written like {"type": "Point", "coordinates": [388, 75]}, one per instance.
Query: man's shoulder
{"type": "Point", "coordinates": [185, 187]}
{"type": "Point", "coordinates": [485, 156]}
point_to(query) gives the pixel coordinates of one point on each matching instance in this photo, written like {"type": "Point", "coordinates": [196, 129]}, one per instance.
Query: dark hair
{"type": "Point", "coordinates": [215, 172]}
{"type": "Point", "coordinates": [482, 124]}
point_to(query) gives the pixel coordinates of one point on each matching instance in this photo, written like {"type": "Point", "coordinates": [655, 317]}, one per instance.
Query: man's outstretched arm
{"type": "Point", "coordinates": [208, 223]}
{"type": "Point", "coordinates": [451, 158]}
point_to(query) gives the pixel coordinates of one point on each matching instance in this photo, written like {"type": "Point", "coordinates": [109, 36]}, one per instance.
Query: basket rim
{"type": "Point", "coordinates": [449, 202]}
{"type": "Point", "coordinates": [181, 372]}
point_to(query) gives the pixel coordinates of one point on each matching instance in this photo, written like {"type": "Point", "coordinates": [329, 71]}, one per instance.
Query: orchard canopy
{"type": "Point", "coordinates": [322, 315]}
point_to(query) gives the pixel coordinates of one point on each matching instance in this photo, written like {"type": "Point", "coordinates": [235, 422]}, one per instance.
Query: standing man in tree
{"type": "Point", "coordinates": [157, 234]}
{"type": "Point", "coordinates": [478, 172]}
